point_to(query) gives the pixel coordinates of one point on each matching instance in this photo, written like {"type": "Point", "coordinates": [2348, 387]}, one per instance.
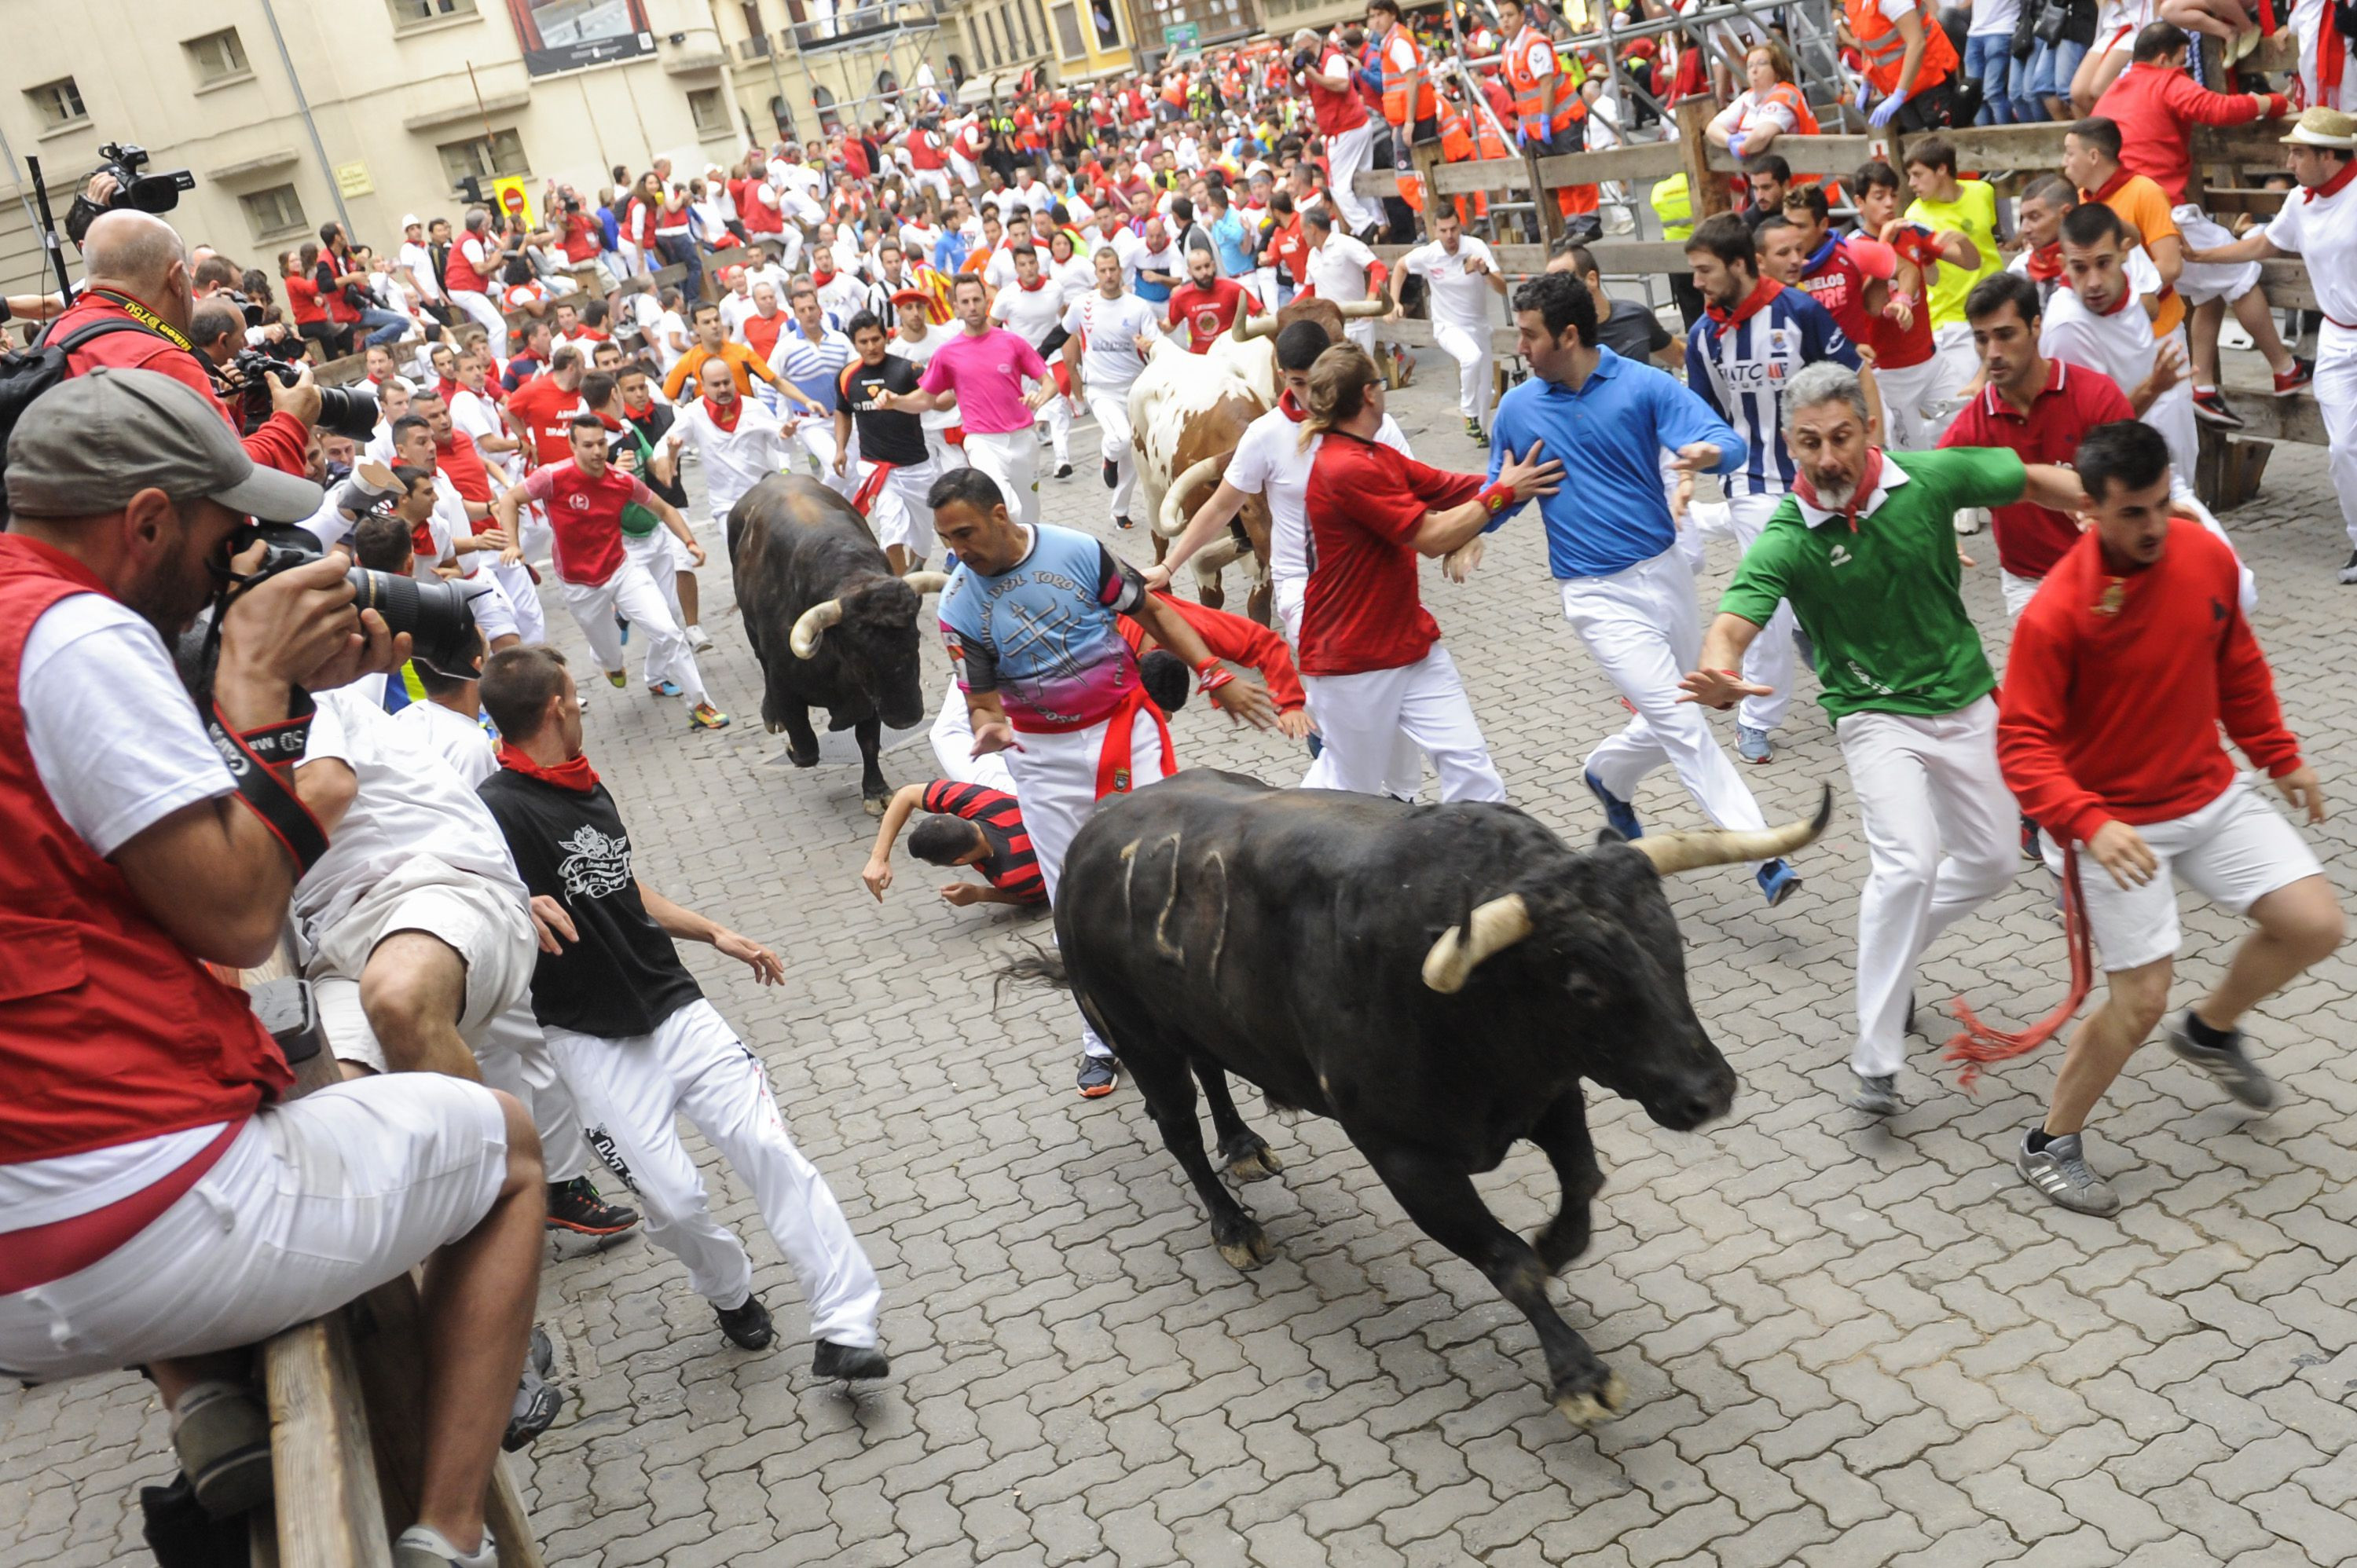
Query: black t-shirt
{"type": "Point", "coordinates": [653, 425]}
{"type": "Point", "coordinates": [1633, 331]}
{"type": "Point", "coordinates": [623, 977]}
{"type": "Point", "coordinates": [885, 436]}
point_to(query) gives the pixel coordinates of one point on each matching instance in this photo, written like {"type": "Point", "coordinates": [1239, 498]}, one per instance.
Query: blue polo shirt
{"type": "Point", "coordinates": [1610, 513]}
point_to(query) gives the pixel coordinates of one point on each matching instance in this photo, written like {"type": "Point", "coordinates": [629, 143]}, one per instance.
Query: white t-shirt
{"type": "Point", "coordinates": [2325, 231]}
{"type": "Point", "coordinates": [734, 460]}
{"type": "Point", "coordinates": [1992, 16]}
{"type": "Point", "coordinates": [735, 307]}
{"type": "Point", "coordinates": [1110, 363]}
{"type": "Point", "coordinates": [920, 354]}
{"type": "Point", "coordinates": [2121, 345]}
{"type": "Point", "coordinates": [1459, 297]}
{"type": "Point", "coordinates": [1269, 462]}
{"type": "Point", "coordinates": [420, 263]}
{"type": "Point", "coordinates": [1338, 269]}
{"type": "Point", "coordinates": [453, 737]}
{"type": "Point", "coordinates": [670, 337]}
{"type": "Point", "coordinates": [1030, 313]}
{"type": "Point", "coordinates": [472, 413]}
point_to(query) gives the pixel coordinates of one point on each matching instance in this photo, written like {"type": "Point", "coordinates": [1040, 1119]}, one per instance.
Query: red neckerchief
{"type": "Point", "coordinates": [2339, 182]}
{"type": "Point", "coordinates": [1751, 305]}
{"type": "Point", "coordinates": [1292, 410]}
{"type": "Point", "coordinates": [2110, 187]}
{"type": "Point", "coordinates": [642, 411]}
{"type": "Point", "coordinates": [610, 423]}
{"type": "Point", "coordinates": [2045, 264]}
{"type": "Point", "coordinates": [727, 421]}
{"type": "Point", "coordinates": [1033, 287]}
{"type": "Point", "coordinates": [575, 775]}
{"type": "Point", "coordinates": [1869, 474]}
{"type": "Point", "coordinates": [448, 388]}
{"type": "Point", "coordinates": [820, 279]}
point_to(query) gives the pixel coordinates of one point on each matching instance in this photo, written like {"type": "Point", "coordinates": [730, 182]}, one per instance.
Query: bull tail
{"type": "Point", "coordinates": [1042, 966]}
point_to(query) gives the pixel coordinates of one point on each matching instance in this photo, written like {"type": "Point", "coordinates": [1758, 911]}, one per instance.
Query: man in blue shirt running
{"type": "Point", "coordinates": [1610, 545]}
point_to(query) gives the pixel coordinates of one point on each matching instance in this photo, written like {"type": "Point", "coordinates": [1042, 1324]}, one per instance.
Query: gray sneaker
{"type": "Point", "coordinates": [1877, 1095]}
{"type": "Point", "coordinates": [2061, 1171]}
{"type": "Point", "coordinates": [2236, 1073]}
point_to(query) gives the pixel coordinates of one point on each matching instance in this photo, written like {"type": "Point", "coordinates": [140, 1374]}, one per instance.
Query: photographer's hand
{"type": "Point", "coordinates": [295, 628]}
{"type": "Point", "coordinates": [301, 400]}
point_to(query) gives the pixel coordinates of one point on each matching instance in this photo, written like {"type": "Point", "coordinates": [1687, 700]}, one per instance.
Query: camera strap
{"type": "Point", "coordinates": [262, 762]}
{"type": "Point", "coordinates": [146, 317]}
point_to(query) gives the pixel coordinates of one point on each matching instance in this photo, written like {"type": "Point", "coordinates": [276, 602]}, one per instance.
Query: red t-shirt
{"type": "Point", "coordinates": [1898, 348]}
{"type": "Point", "coordinates": [464, 464]}
{"type": "Point", "coordinates": [1834, 279]}
{"type": "Point", "coordinates": [2115, 689]}
{"type": "Point", "coordinates": [1360, 610]}
{"type": "Point", "coordinates": [2029, 537]}
{"type": "Point", "coordinates": [2154, 106]}
{"type": "Point", "coordinates": [547, 411]}
{"type": "Point", "coordinates": [1288, 247]}
{"type": "Point", "coordinates": [583, 236]}
{"type": "Point", "coordinates": [761, 332]}
{"type": "Point", "coordinates": [303, 300]}
{"type": "Point", "coordinates": [1208, 312]}
{"type": "Point", "coordinates": [585, 518]}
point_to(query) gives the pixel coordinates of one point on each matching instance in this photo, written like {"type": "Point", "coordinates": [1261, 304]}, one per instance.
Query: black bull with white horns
{"type": "Point", "coordinates": [1437, 979]}
{"type": "Point", "coordinates": [831, 626]}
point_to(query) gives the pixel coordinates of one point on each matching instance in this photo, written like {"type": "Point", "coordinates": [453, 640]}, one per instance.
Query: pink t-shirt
{"type": "Point", "coordinates": [986, 372]}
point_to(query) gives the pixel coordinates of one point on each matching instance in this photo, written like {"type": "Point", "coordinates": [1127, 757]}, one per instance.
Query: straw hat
{"type": "Point", "coordinates": [2325, 128]}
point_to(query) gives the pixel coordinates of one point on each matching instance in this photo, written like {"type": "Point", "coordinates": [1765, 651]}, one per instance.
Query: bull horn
{"type": "Point", "coordinates": [1250, 327]}
{"type": "Point", "coordinates": [1673, 853]}
{"type": "Point", "coordinates": [1353, 309]}
{"type": "Point", "coordinates": [813, 625]}
{"type": "Point", "coordinates": [1497, 926]}
{"type": "Point", "coordinates": [1173, 522]}
{"type": "Point", "coordinates": [927, 581]}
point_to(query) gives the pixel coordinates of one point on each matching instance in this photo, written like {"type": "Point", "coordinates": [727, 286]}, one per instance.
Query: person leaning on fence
{"type": "Point", "coordinates": [158, 1204]}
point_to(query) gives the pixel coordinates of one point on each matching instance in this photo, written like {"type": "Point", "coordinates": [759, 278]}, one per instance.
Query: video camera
{"type": "Point", "coordinates": [438, 616]}
{"type": "Point", "coordinates": [344, 411]}
{"type": "Point", "coordinates": [147, 192]}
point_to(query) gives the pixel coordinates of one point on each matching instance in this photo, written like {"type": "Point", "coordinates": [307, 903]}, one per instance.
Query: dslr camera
{"type": "Point", "coordinates": [344, 411]}
{"type": "Point", "coordinates": [436, 615]}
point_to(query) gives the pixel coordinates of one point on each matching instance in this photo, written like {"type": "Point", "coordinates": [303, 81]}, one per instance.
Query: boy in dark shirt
{"type": "Point", "coordinates": [897, 471]}
{"type": "Point", "coordinates": [639, 1044]}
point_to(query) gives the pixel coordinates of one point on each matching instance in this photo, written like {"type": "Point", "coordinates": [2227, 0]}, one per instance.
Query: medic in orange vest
{"type": "Point", "coordinates": [1408, 99]}
{"type": "Point", "coordinates": [1547, 106]}
{"type": "Point", "coordinates": [1917, 97]}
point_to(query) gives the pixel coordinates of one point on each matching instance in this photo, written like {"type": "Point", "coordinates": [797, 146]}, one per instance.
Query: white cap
{"type": "Point", "coordinates": [411, 221]}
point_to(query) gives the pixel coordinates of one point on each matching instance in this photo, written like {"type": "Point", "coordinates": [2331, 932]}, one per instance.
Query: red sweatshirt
{"type": "Point", "coordinates": [2116, 686]}
{"type": "Point", "coordinates": [1235, 640]}
{"type": "Point", "coordinates": [2153, 106]}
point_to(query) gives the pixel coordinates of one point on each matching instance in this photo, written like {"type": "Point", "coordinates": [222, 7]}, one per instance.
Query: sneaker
{"type": "Point", "coordinates": [1112, 474]}
{"type": "Point", "coordinates": [1619, 813]}
{"type": "Point", "coordinates": [420, 1547]}
{"type": "Point", "coordinates": [617, 679]}
{"type": "Point", "coordinates": [849, 1361]}
{"type": "Point", "coordinates": [2236, 1073]}
{"type": "Point", "coordinates": [2349, 570]}
{"type": "Point", "coordinates": [1777, 881]}
{"type": "Point", "coordinates": [2030, 846]}
{"type": "Point", "coordinates": [2061, 1171]}
{"type": "Point", "coordinates": [537, 1400]}
{"type": "Point", "coordinates": [623, 625]}
{"type": "Point", "coordinates": [222, 1435]}
{"type": "Point", "coordinates": [663, 688]}
{"type": "Point", "coordinates": [1124, 524]}
{"type": "Point", "coordinates": [703, 715]}
{"type": "Point", "coordinates": [2211, 408]}
{"type": "Point", "coordinates": [1063, 470]}
{"type": "Point", "coordinates": [1968, 521]}
{"type": "Point", "coordinates": [1752, 745]}
{"type": "Point", "coordinates": [747, 1324]}
{"type": "Point", "coordinates": [575, 1206]}
{"type": "Point", "coordinates": [2299, 378]}
{"type": "Point", "coordinates": [1475, 434]}
{"type": "Point", "coordinates": [1878, 1094]}
{"type": "Point", "coordinates": [697, 640]}
{"type": "Point", "coordinates": [1097, 1074]}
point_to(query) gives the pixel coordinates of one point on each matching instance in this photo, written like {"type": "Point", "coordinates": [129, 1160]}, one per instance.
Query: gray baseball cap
{"type": "Point", "coordinates": [85, 447]}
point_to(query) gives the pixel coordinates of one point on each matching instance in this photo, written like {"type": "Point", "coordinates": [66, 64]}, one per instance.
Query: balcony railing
{"type": "Point", "coordinates": [755, 47]}
{"type": "Point", "coordinates": [855, 23]}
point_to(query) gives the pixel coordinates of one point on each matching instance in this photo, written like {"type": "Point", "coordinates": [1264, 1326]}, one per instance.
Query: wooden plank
{"type": "Point", "coordinates": [1374, 182]}
{"type": "Point", "coordinates": [2258, 144]}
{"type": "Point", "coordinates": [1517, 261]}
{"type": "Point", "coordinates": [510, 1526]}
{"type": "Point", "coordinates": [2257, 201]}
{"type": "Point", "coordinates": [1482, 174]}
{"type": "Point", "coordinates": [1638, 258]}
{"type": "Point", "coordinates": [1838, 156]}
{"type": "Point", "coordinates": [2286, 283]}
{"type": "Point", "coordinates": [2270, 418]}
{"type": "Point", "coordinates": [1982, 147]}
{"type": "Point", "coordinates": [330, 1513]}
{"type": "Point", "coordinates": [1707, 191]}
{"type": "Point", "coordinates": [1644, 160]}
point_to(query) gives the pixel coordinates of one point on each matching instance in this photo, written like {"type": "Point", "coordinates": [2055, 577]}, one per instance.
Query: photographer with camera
{"type": "Point", "coordinates": [136, 286]}
{"type": "Point", "coordinates": [158, 1204]}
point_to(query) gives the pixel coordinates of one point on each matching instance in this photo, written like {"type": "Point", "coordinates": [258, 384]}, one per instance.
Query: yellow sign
{"type": "Point", "coordinates": [352, 179]}
{"type": "Point", "coordinates": [509, 193]}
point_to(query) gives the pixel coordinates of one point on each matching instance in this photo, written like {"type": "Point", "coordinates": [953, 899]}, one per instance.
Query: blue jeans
{"type": "Point", "coordinates": [1988, 59]}
{"type": "Point", "coordinates": [384, 326]}
{"type": "Point", "coordinates": [2052, 67]}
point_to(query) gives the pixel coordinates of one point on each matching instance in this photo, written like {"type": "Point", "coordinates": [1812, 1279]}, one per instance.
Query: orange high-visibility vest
{"type": "Point", "coordinates": [1395, 80]}
{"type": "Point", "coordinates": [1543, 98]}
{"type": "Point", "coordinates": [1884, 50]}
{"type": "Point", "coordinates": [1805, 118]}
{"type": "Point", "coordinates": [1456, 147]}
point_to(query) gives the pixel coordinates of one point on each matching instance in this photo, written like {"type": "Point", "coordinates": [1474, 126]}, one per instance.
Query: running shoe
{"type": "Point", "coordinates": [1097, 1075]}
{"type": "Point", "coordinates": [663, 688]}
{"type": "Point", "coordinates": [617, 679]}
{"type": "Point", "coordinates": [2299, 378]}
{"type": "Point", "coordinates": [623, 624]}
{"type": "Point", "coordinates": [2349, 570]}
{"type": "Point", "coordinates": [747, 1324]}
{"type": "Point", "coordinates": [1752, 745]}
{"type": "Point", "coordinates": [1777, 882]}
{"type": "Point", "coordinates": [1063, 470]}
{"type": "Point", "coordinates": [703, 715]}
{"type": "Point", "coordinates": [697, 640]}
{"type": "Point", "coordinates": [1475, 434]}
{"type": "Point", "coordinates": [1618, 813]}
{"type": "Point", "coordinates": [2236, 1073]}
{"type": "Point", "coordinates": [849, 1361]}
{"type": "Point", "coordinates": [575, 1206]}
{"type": "Point", "coordinates": [2061, 1171]}
{"type": "Point", "coordinates": [1112, 474]}
{"type": "Point", "coordinates": [2211, 408]}
{"type": "Point", "coordinates": [1877, 1093]}
{"type": "Point", "coordinates": [423, 1547]}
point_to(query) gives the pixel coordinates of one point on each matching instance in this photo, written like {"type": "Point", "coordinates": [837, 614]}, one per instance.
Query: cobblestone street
{"type": "Point", "coordinates": [1847, 1344]}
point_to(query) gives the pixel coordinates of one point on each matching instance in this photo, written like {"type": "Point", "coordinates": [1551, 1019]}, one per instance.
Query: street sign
{"type": "Point", "coordinates": [1182, 38]}
{"type": "Point", "coordinates": [509, 191]}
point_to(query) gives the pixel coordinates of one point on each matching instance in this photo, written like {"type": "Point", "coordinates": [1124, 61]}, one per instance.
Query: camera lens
{"type": "Point", "coordinates": [436, 615]}
{"type": "Point", "coordinates": [347, 411]}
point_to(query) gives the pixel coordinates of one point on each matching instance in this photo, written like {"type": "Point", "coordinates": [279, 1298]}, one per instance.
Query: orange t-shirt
{"type": "Point", "coordinates": [2144, 206]}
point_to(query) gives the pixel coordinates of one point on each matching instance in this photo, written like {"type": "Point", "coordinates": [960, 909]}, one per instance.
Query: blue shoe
{"type": "Point", "coordinates": [1777, 881]}
{"type": "Point", "coordinates": [623, 626]}
{"type": "Point", "coordinates": [1752, 745]}
{"type": "Point", "coordinates": [664, 688]}
{"type": "Point", "coordinates": [1619, 813]}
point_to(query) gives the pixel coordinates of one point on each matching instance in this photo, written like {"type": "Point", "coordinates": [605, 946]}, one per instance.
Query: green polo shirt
{"type": "Point", "coordinates": [1883, 607]}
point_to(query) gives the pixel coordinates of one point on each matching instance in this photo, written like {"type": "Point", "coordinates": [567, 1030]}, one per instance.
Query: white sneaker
{"type": "Point", "coordinates": [422, 1548]}
{"type": "Point", "coordinates": [696, 639]}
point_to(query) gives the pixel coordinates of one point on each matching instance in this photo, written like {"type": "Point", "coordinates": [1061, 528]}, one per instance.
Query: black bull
{"type": "Point", "coordinates": [1311, 942]}
{"type": "Point", "coordinates": [831, 626]}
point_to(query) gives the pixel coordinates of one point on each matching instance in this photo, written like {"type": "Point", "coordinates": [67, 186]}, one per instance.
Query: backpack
{"type": "Point", "coordinates": [26, 373]}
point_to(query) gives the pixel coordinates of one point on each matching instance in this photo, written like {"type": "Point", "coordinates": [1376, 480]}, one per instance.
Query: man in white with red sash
{"type": "Point", "coordinates": [473, 262]}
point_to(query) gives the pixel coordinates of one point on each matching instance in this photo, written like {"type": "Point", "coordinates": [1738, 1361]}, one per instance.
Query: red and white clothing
{"type": "Point", "coordinates": [2031, 538]}
{"type": "Point", "coordinates": [2119, 343]}
{"type": "Point", "coordinates": [2321, 226]}
{"type": "Point", "coordinates": [740, 446]}
{"type": "Point", "coordinates": [468, 272]}
{"type": "Point", "coordinates": [1349, 132]}
{"type": "Point", "coordinates": [1110, 365]}
{"type": "Point", "coordinates": [2327, 57]}
{"type": "Point", "coordinates": [599, 578]}
{"type": "Point", "coordinates": [1462, 313]}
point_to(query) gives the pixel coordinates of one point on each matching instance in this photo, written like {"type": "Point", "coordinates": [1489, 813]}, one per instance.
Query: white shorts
{"type": "Point", "coordinates": [314, 1204]}
{"type": "Point", "coordinates": [485, 924]}
{"type": "Point", "coordinates": [2234, 851]}
{"type": "Point", "coordinates": [2202, 282]}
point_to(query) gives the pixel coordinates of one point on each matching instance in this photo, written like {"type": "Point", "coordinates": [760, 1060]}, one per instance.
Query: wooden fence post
{"type": "Point", "coordinates": [1709, 191]}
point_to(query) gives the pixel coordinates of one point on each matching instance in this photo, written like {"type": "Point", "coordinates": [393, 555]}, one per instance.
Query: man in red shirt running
{"type": "Point", "coordinates": [542, 410]}
{"type": "Point", "coordinates": [2125, 665]}
{"type": "Point", "coordinates": [1207, 302]}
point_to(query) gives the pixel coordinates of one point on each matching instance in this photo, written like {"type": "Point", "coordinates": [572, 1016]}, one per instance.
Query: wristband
{"type": "Point", "coordinates": [1210, 675]}
{"type": "Point", "coordinates": [1497, 497]}
{"type": "Point", "coordinates": [268, 793]}
{"type": "Point", "coordinates": [1908, 300]}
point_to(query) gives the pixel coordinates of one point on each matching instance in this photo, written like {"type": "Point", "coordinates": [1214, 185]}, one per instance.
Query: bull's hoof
{"type": "Point", "coordinates": [1249, 1252]}
{"type": "Point", "coordinates": [803, 758]}
{"type": "Point", "coordinates": [1589, 1411]}
{"type": "Point", "coordinates": [1255, 1164]}
{"type": "Point", "coordinates": [873, 806]}
{"type": "Point", "coordinates": [773, 727]}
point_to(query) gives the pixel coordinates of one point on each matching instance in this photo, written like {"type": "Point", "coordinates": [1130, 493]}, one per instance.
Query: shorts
{"type": "Point", "coordinates": [2234, 851]}
{"type": "Point", "coordinates": [485, 923]}
{"type": "Point", "coordinates": [2202, 282]}
{"type": "Point", "coordinates": [314, 1204]}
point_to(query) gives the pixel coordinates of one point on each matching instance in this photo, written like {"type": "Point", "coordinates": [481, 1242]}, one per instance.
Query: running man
{"type": "Point", "coordinates": [896, 470]}
{"type": "Point", "coordinates": [1106, 336]}
{"type": "Point", "coordinates": [1462, 274]}
{"type": "Point", "coordinates": [980, 372]}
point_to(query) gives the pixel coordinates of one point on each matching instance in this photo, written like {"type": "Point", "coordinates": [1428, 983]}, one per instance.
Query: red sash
{"type": "Point", "coordinates": [1113, 770]}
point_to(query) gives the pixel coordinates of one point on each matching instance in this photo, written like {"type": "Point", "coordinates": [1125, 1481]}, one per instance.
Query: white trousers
{"type": "Point", "coordinates": [936, 180]}
{"type": "Point", "coordinates": [694, 1064]}
{"type": "Point", "coordinates": [1466, 347]}
{"type": "Point", "coordinates": [1641, 626]}
{"type": "Point", "coordinates": [1405, 774]}
{"type": "Point", "coordinates": [1770, 661]}
{"type": "Point", "coordinates": [1347, 154]}
{"type": "Point", "coordinates": [1942, 834]}
{"type": "Point", "coordinates": [633, 593]}
{"type": "Point", "coordinates": [2017, 591]}
{"type": "Point", "coordinates": [953, 741]}
{"type": "Point", "coordinates": [1057, 418]}
{"type": "Point", "coordinates": [1012, 460]}
{"type": "Point", "coordinates": [662, 558]}
{"type": "Point", "coordinates": [523, 600]}
{"type": "Point", "coordinates": [1907, 393]}
{"type": "Point", "coordinates": [2202, 282]}
{"type": "Point", "coordinates": [1958, 360]}
{"type": "Point", "coordinates": [1056, 779]}
{"type": "Point", "coordinates": [1114, 444]}
{"type": "Point", "coordinates": [899, 514]}
{"type": "Point", "coordinates": [486, 315]}
{"type": "Point", "coordinates": [515, 1058]}
{"type": "Point", "coordinates": [966, 173]}
{"type": "Point", "coordinates": [482, 922]}
{"type": "Point", "coordinates": [1362, 718]}
{"type": "Point", "coordinates": [2336, 400]}
{"type": "Point", "coordinates": [946, 454]}
{"type": "Point", "coordinates": [1361, 329]}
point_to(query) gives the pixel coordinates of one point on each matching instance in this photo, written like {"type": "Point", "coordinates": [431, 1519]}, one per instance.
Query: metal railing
{"type": "Point", "coordinates": [755, 47]}
{"type": "Point", "coordinates": [860, 23]}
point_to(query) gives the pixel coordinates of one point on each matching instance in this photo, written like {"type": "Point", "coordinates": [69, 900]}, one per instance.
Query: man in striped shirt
{"type": "Point", "coordinates": [1752, 339]}
{"type": "Point", "coordinates": [969, 824]}
{"type": "Point", "coordinates": [811, 356]}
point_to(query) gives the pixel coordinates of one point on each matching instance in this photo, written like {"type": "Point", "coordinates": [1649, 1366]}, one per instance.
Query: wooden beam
{"type": "Point", "coordinates": [2266, 418]}
{"type": "Point", "coordinates": [1482, 174]}
{"type": "Point", "coordinates": [330, 1513]}
{"type": "Point", "coordinates": [1638, 258]}
{"type": "Point", "coordinates": [1838, 156]}
{"type": "Point", "coordinates": [2258, 144]}
{"type": "Point", "coordinates": [1980, 147]}
{"type": "Point", "coordinates": [1516, 261]}
{"type": "Point", "coordinates": [2288, 284]}
{"type": "Point", "coordinates": [1374, 182]}
{"type": "Point", "coordinates": [1645, 160]}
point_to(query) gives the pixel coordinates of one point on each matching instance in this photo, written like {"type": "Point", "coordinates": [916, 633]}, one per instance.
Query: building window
{"type": "Point", "coordinates": [484, 157]}
{"type": "Point", "coordinates": [823, 101]}
{"type": "Point", "coordinates": [709, 112]}
{"type": "Point", "coordinates": [957, 71]}
{"type": "Point", "coordinates": [217, 57]}
{"type": "Point", "coordinates": [1068, 31]}
{"type": "Point", "coordinates": [59, 102]}
{"type": "Point", "coordinates": [973, 42]}
{"type": "Point", "coordinates": [1023, 14]}
{"type": "Point", "coordinates": [997, 55]}
{"type": "Point", "coordinates": [783, 115]}
{"type": "Point", "coordinates": [272, 212]}
{"type": "Point", "coordinates": [1101, 16]}
{"type": "Point", "coordinates": [410, 13]}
